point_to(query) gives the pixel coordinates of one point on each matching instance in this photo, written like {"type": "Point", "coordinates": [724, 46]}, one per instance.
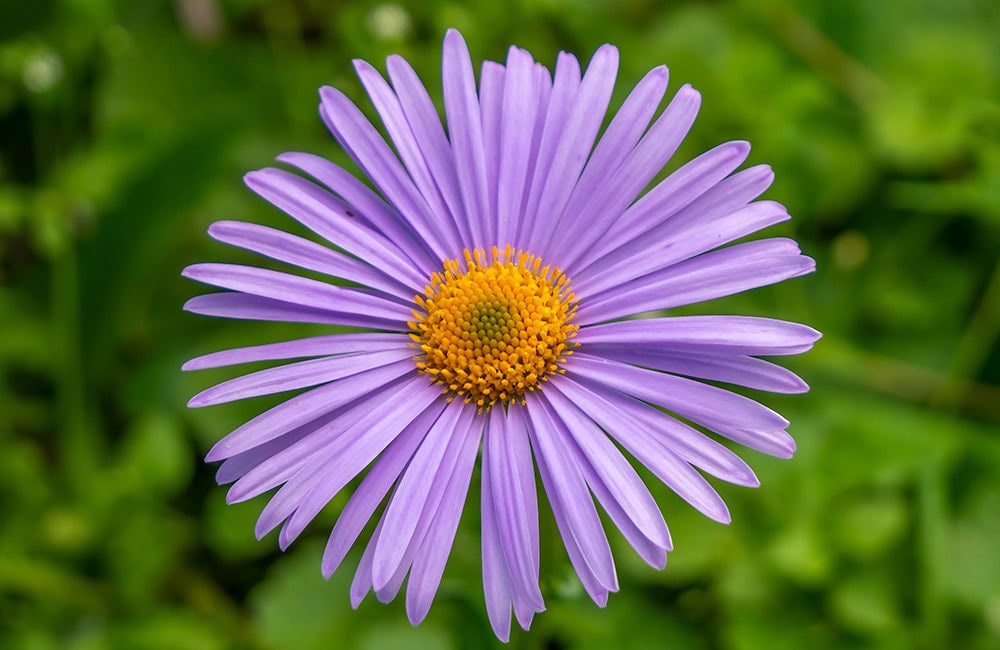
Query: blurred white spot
{"type": "Point", "coordinates": [389, 22]}
{"type": "Point", "coordinates": [42, 70]}
{"type": "Point", "coordinates": [850, 250]}
{"type": "Point", "coordinates": [202, 19]}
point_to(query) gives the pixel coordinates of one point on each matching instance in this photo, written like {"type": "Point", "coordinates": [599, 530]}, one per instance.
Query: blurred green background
{"type": "Point", "coordinates": [125, 128]}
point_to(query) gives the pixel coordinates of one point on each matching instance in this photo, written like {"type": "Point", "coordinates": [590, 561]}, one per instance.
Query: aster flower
{"type": "Point", "coordinates": [489, 280]}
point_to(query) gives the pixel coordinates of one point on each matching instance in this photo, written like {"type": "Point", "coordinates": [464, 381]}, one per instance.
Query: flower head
{"type": "Point", "coordinates": [491, 277]}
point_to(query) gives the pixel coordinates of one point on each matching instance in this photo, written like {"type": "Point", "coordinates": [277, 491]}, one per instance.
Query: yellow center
{"type": "Point", "coordinates": [493, 328]}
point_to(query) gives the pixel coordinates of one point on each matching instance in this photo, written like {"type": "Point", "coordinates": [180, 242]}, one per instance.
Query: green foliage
{"type": "Point", "coordinates": [124, 130]}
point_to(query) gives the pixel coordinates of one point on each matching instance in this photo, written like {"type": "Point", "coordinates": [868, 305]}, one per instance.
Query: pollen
{"type": "Point", "coordinates": [494, 326]}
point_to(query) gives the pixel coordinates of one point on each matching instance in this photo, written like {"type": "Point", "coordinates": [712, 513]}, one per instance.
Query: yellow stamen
{"type": "Point", "coordinates": [493, 328]}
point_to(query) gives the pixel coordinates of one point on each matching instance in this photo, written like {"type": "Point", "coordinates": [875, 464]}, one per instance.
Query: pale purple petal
{"type": "Point", "coordinates": [295, 289]}
{"type": "Point", "coordinates": [293, 376]}
{"type": "Point", "coordinates": [496, 579]}
{"type": "Point", "coordinates": [507, 452]}
{"type": "Point", "coordinates": [304, 408]}
{"type": "Point", "coordinates": [407, 505]}
{"type": "Point", "coordinates": [600, 209]}
{"type": "Point", "coordinates": [491, 84]}
{"type": "Point", "coordinates": [559, 101]}
{"type": "Point", "coordinates": [732, 334]}
{"type": "Point", "coordinates": [678, 475]}
{"type": "Point", "coordinates": [679, 190]}
{"type": "Point", "coordinates": [576, 141]}
{"type": "Point", "coordinates": [364, 144]}
{"type": "Point", "coordinates": [362, 582]}
{"type": "Point", "coordinates": [624, 485]}
{"type": "Point", "coordinates": [366, 207]}
{"type": "Point", "coordinates": [352, 452]}
{"type": "Point", "coordinates": [465, 128]}
{"type": "Point", "coordinates": [729, 414]}
{"type": "Point", "coordinates": [650, 426]}
{"type": "Point", "coordinates": [248, 307]}
{"type": "Point", "coordinates": [725, 367]}
{"type": "Point", "coordinates": [372, 490]}
{"type": "Point", "coordinates": [624, 265]}
{"type": "Point", "coordinates": [331, 218]}
{"type": "Point", "coordinates": [571, 502]}
{"type": "Point", "coordinates": [617, 142]}
{"type": "Point", "coordinates": [438, 521]}
{"type": "Point", "coordinates": [314, 346]}
{"type": "Point", "coordinates": [305, 254]}
{"type": "Point", "coordinates": [518, 114]}
{"type": "Point", "coordinates": [538, 161]}
{"type": "Point", "coordinates": [712, 275]}
{"type": "Point", "coordinates": [654, 554]}
{"type": "Point", "coordinates": [431, 557]}
{"type": "Point", "coordinates": [426, 124]}
{"type": "Point", "coordinates": [391, 111]}
{"type": "Point", "coordinates": [338, 449]}
{"type": "Point", "coordinates": [237, 466]}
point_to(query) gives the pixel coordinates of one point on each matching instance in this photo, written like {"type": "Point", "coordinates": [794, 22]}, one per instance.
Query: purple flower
{"type": "Point", "coordinates": [492, 277]}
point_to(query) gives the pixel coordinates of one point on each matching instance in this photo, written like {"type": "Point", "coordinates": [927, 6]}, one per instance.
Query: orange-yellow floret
{"type": "Point", "coordinates": [493, 327]}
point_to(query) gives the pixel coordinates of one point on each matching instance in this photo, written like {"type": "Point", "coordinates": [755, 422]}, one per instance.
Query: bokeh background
{"type": "Point", "coordinates": [125, 128]}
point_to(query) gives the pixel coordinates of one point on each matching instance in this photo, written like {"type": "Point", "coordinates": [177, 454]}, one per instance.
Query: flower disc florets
{"type": "Point", "coordinates": [494, 327]}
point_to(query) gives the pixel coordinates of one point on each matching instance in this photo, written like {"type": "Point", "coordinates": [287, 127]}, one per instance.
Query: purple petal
{"type": "Point", "coordinates": [372, 491]}
{"type": "Point", "coordinates": [731, 334]}
{"type": "Point", "coordinates": [726, 367]}
{"type": "Point", "coordinates": [285, 463]}
{"type": "Point", "coordinates": [617, 142]}
{"type": "Point", "coordinates": [351, 453]}
{"type": "Point", "coordinates": [575, 144]}
{"type": "Point", "coordinates": [507, 452]}
{"type": "Point", "coordinates": [450, 485]}
{"type": "Point", "coordinates": [292, 376]}
{"type": "Point", "coordinates": [538, 162]}
{"type": "Point", "coordinates": [247, 307]}
{"type": "Point", "coordinates": [650, 426]}
{"type": "Point", "coordinates": [426, 124]}
{"type": "Point", "coordinates": [729, 414]}
{"type": "Point", "coordinates": [304, 408]}
{"type": "Point", "coordinates": [465, 128]}
{"type": "Point", "coordinates": [305, 254]}
{"type": "Point", "coordinates": [294, 289]}
{"type": "Point", "coordinates": [364, 144]}
{"type": "Point", "coordinates": [572, 505]}
{"type": "Point", "coordinates": [653, 554]}
{"type": "Point", "coordinates": [314, 346]}
{"type": "Point", "coordinates": [327, 458]}
{"type": "Point", "coordinates": [391, 111]}
{"type": "Point", "coordinates": [667, 466]}
{"type": "Point", "coordinates": [366, 207]}
{"type": "Point", "coordinates": [559, 101]}
{"type": "Point", "coordinates": [602, 203]}
{"type": "Point", "coordinates": [429, 562]}
{"type": "Point", "coordinates": [496, 579]}
{"type": "Point", "coordinates": [328, 433]}
{"type": "Point", "coordinates": [712, 275]}
{"type": "Point", "coordinates": [408, 504]}
{"type": "Point", "coordinates": [491, 83]}
{"type": "Point", "coordinates": [517, 117]}
{"type": "Point", "coordinates": [694, 179]}
{"type": "Point", "coordinates": [330, 218]}
{"type": "Point", "coordinates": [625, 265]}
{"type": "Point", "coordinates": [362, 582]}
{"type": "Point", "coordinates": [237, 466]}
{"type": "Point", "coordinates": [615, 473]}
{"type": "Point", "coordinates": [730, 194]}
